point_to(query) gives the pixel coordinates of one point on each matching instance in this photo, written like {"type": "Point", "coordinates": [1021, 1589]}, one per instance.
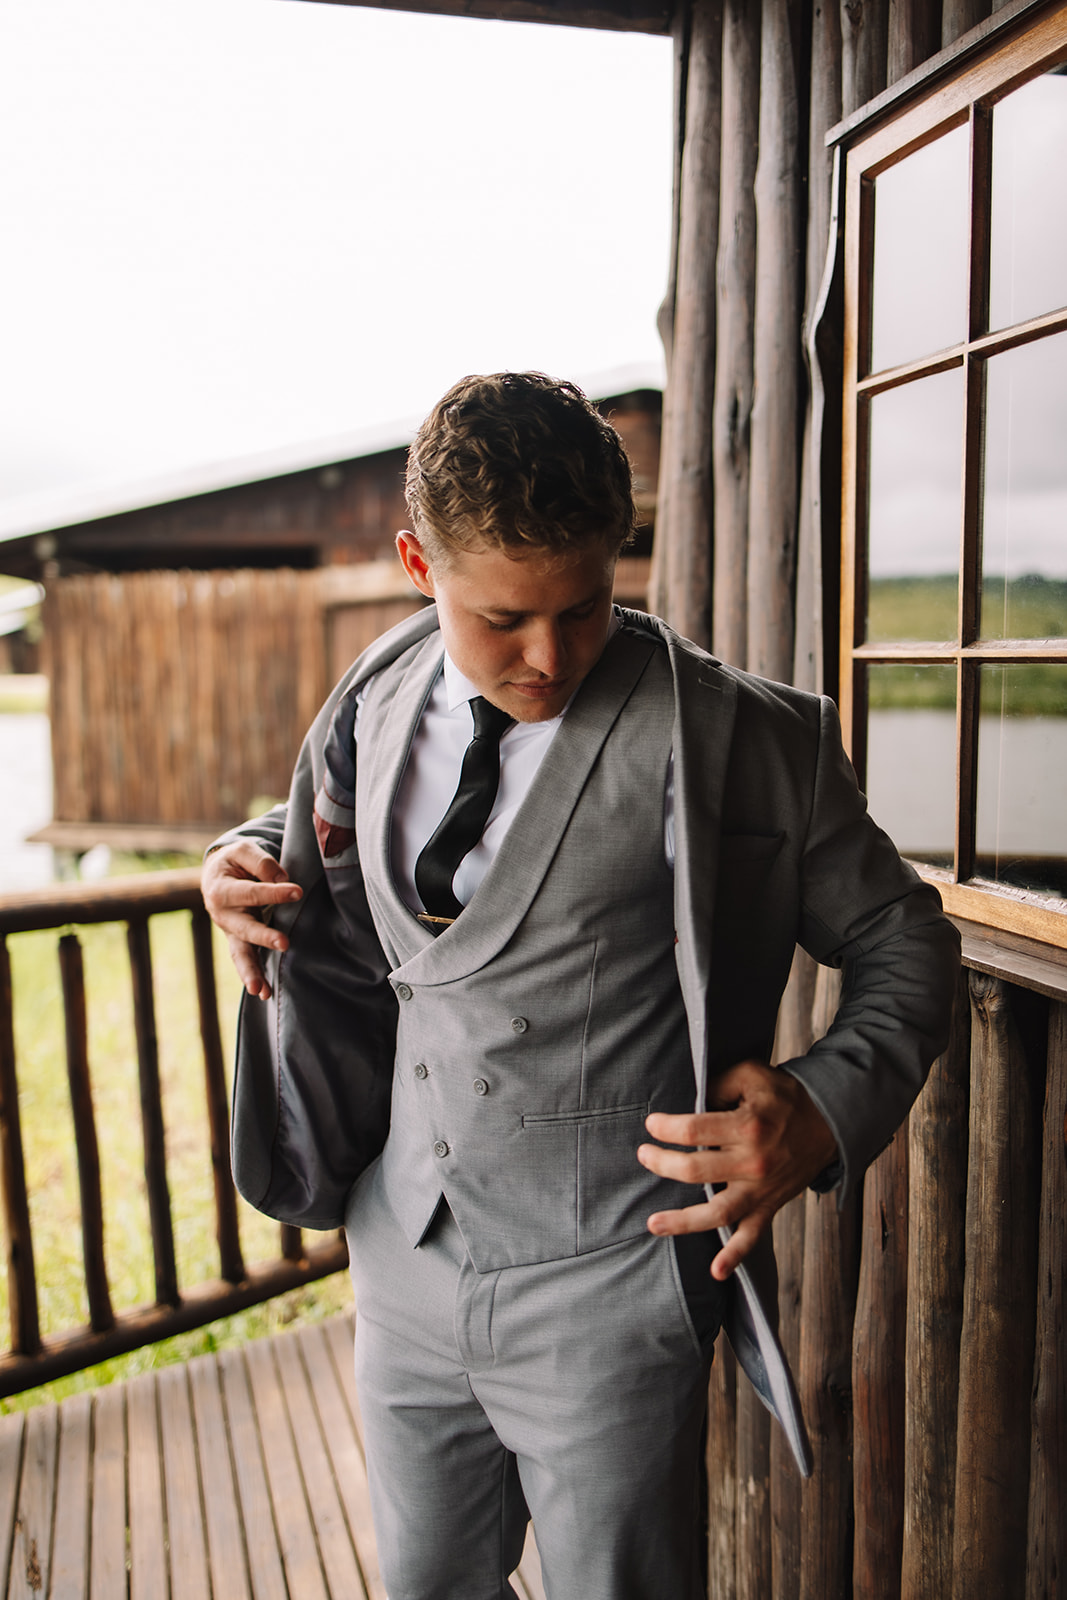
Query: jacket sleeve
{"type": "Point", "coordinates": [867, 912]}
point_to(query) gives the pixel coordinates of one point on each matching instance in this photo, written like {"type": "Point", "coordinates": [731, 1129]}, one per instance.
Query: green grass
{"type": "Point", "coordinates": [1030, 607]}
{"type": "Point", "coordinates": [48, 1140]}
{"type": "Point", "coordinates": [924, 609]}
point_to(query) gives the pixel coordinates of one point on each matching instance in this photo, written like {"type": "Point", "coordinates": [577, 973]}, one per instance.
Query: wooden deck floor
{"type": "Point", "coordinates": [165, 1488]}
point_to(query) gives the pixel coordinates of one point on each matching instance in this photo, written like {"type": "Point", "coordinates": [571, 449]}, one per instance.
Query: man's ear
{"type": "Point", "coordinates": [414, 562]}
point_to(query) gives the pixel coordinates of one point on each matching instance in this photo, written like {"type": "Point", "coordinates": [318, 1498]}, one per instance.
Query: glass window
{"type": "Point", "coordinates": [1028, 234]}
{"type": "Point", "coordinates": [954, 604]}
{"type": "Point", "coordinates": [1022, 761]}
{"type": "Point", "coordinates": [1024, 517]}
{"type": "Point", "coordinates": [920, 253]}
{"type": "Point", "coordinates": [916, 460]}
{"type": "Point", "coordinates": [911, 766]}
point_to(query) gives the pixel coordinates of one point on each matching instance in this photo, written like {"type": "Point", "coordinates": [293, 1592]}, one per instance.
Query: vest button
{"type": "Point", "coordinates": [519, 1024]}
{"type": "Point", "coordinates": [480, 1086]}
{"type": "Point", "coordinates": [404, 991]}
{"type": "Point", "coordinates": [422, 1070]}
{"type": "Point", "coordinates": [440, 1148]}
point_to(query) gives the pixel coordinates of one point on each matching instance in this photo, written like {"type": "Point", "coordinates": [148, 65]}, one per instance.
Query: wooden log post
{"type": "Point", "coordinates": [831, 1263]}
{"type": "Point", "coordinates": [680, 39]}
{"type": "Point", "coordinates": [914, 35]}
{"type": "Point", "coordinates": [155, 1154]}
{"type": "Point", "coordinates": [937, 1138]}
{"type": "Point", "coordinates": [734, 319]}
{"type": "Point", "coordinates": [680, 589]}
{"type": "Point", "coordinates": [818, 523]}
{"type": "Point", "coordinates": [793, 1038]}
{"type": "Point", "coordinates": [864, 51]}
{"type": "Point", "coordinates": [72, 974]}
{"type": "Point", "coordinates": [231, 1263]}
{"type": "Point", "coordinates": [722, 1474]}
{"type": "Point", "coordinates": [1046, 1565]}
{"type": "Point", "coordinates": [959, 16]}
{"type": "Point", "coordinates": [754, 1574]}
{"type": "Point", "coordinates": [21, 1281]}
{"type": "Point", "coordinates": [774, 477]}
{"type": "Point", "coordinates": [999, 1300]}
{"type": "Point", "coordinates": [878, 1366]}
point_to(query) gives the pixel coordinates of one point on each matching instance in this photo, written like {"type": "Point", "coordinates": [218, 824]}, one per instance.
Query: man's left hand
{"type": "Point", "coordinates": [764, 1147]}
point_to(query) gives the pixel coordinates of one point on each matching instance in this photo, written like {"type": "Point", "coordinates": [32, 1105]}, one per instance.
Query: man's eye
{"type": "Point", "coordinates": [503, 627]}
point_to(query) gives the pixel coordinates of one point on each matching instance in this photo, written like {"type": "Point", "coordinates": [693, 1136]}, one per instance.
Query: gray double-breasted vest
{"type": "Point", "coordinates": [537, 1033]}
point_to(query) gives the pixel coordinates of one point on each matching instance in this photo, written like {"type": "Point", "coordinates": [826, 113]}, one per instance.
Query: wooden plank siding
{"type": "Point", "coordinates": [240, 1476]}
{"type": "Point", "coordinates": [180, 699]}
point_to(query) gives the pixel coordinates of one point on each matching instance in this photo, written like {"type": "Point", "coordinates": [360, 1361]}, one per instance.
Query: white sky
{"type": "Point", "coordinates": [239, 224]}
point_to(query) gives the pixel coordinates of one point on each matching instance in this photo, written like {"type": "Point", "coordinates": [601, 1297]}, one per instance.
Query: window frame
{"type": "Point", "coordinates": [967, 100]}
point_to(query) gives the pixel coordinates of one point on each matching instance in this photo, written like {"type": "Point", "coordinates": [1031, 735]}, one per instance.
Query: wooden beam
{"type": "Point", "coordinates": [72, 973]}
{"type": "Point", "coordinates": [735, 281]}
{"type": "Point", "coordinates": [617, 16]}
{"type": "Point", "coordinates": [878, 1347]}
{"type": "Point", "coordinates": [70, 1352]}
{"type": "Point", "coordinates": [774, 483]}
{"type": "Point", "coordinates": [681, 582]}
{"type": "Point", "coordinates": [155, 1150]}
{"type": "Point", "coordinates": [864, 49]}
{"type": "Point", "coordinates": [1047, 1540]}
{"type": "Point", "coordinates": [231, 1264]}
{"type": "Point", "coordinates": [816, 644]}
{"type": "Point", "coordinates": [937, 1184]}
{"type": "Point", "coordinates": [999, 1306]}
{"type": "Point", "coordinates": [21, 1280]}
{"type": "Point", "coordinates": [115, 900]}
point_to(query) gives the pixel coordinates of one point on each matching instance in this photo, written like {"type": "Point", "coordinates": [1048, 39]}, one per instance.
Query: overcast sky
{"type": "Point", "coordinates": [236, 225]}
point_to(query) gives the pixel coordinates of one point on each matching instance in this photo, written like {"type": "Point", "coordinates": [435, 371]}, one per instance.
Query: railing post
{"type": "Point", "coordinates": [230, 1258]}
{"type": "Point", "coordinates": [155, 1156]}
{"type": "Point", "coordinates": [22, 1284]}
{"type": "Point", "coordinates": [72, 974]}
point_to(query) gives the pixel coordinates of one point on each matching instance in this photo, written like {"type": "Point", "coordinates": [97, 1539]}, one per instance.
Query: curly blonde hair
{"type": "Point", "coordinates": [518, 461]}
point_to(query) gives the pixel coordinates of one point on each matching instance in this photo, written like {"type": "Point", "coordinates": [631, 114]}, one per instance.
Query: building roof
{"type": "Point", "coordinates": [41, 513]}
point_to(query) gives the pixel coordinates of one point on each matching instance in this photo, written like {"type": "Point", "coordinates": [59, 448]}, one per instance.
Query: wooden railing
{"type": "Point", "coordinates": [33, 1359]}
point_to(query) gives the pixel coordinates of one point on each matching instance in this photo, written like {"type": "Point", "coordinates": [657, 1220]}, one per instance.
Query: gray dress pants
{"type": "Point", "coordinates": [572, 1391]}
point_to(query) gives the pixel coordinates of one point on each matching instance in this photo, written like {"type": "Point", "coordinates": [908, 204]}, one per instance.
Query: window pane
{"type": "Point", "coordinates": [1028, 245]}
{"type": "Point", "coordinates": [1022, 758]}
{"type": "Point", "coordinates": [914, 509]}
{"type": "Point", "coordinates": [920, 253]}
{"type": "Point", "coordinates": [911, 758]}
{"type": "Point", "coordinates": [1024, 539]}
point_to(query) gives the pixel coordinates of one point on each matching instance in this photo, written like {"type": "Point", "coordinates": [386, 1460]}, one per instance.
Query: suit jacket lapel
{"type": "Point", "coordinates": [520, 865]}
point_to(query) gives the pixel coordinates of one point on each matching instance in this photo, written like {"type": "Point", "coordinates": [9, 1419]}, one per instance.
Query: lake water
{"type": "Point", "coordinates": [25, 799]}
{"type": "Point", "coordinates": [1022, 776]}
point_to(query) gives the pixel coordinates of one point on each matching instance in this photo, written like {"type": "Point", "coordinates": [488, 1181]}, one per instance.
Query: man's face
{"type": "Point", "coordinates": [524, 629]}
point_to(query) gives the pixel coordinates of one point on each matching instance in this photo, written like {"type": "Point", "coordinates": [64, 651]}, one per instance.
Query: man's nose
{"type": "Point", "coordinates": [545, 651]}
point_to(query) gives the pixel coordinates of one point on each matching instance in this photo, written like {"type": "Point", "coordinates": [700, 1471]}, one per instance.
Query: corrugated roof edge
{"type": "Point", "coordinates": [41, 513]}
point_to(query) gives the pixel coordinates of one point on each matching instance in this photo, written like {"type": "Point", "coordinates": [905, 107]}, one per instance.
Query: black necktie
{"type": "Point", "coordinates": [462, 824]}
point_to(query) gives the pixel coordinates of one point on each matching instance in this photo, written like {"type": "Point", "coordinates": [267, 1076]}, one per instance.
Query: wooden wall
{"type": "Point", "coordinates": [927, 1330]}
{"type": "Point", "coordinates": [748, 545]}
{"type": "Point", "coordinates": [181, 698]}
{"type": "Point", "coordinates": [926, 1326]}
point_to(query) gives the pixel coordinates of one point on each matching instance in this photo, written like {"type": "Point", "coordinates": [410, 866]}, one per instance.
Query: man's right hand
{"type": "Point", "coordinates": [235, 881]}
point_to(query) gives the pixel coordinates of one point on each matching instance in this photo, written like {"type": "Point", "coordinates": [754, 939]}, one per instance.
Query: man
{"type": "Point", "coordinates": [558, 947]}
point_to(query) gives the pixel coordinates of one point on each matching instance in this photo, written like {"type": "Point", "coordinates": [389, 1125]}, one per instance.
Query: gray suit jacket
{"type": "Point", "coordinates": [774, 847]}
